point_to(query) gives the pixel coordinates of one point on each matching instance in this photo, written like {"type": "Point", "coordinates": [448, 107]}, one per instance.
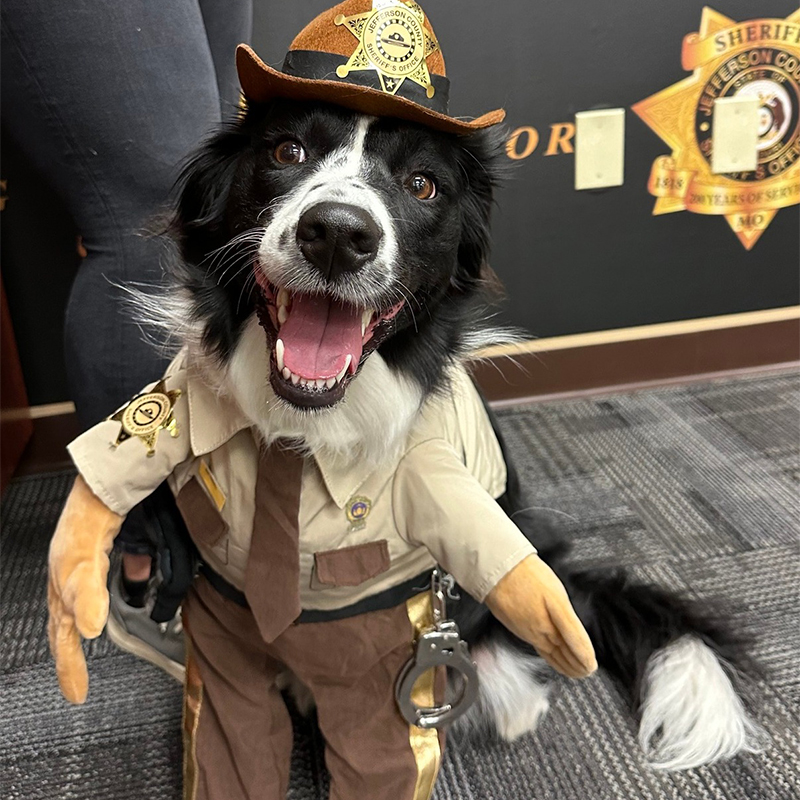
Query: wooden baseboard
{"type": "Point", "coordinates": [604, 361]}
{"type": "Point", "coordinates": [525, 371]}
{"type": "Point", "coordinates": [47, 448]}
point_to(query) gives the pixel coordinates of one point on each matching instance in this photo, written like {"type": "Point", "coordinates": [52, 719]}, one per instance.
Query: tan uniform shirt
{"type": "Point", "coordinates": [362, 529]}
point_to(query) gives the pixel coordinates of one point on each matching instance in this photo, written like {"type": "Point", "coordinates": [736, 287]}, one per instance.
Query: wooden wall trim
{"type": "Point", "coordinates": [657, 330]}
{"type": "Point", "coordinates": [589, 368]}
{"type": "Point", "coordinates": [605, 365]}
{"type": "Point", "coordinates": [569, 342]}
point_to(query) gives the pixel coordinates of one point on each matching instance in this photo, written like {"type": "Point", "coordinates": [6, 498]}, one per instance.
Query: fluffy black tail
{"type": "Point", "coordinates": [629, 621]}
{"type": "Point", "coordinates": [675, 662]}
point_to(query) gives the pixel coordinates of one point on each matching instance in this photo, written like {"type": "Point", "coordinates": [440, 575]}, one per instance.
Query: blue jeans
{"type": "Point", "coordinates": [107, 99]}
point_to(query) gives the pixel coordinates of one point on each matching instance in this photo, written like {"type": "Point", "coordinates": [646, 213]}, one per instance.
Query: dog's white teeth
{"type": "Point", "coordinates": [318, 384]}
{"type": "Point", "coordinates": [341, 374]}
{"type": "Point", "coordinates": [366, 318]}
{"type": "Point", "coordinates": [348, 362]}
{"type": "Point", "coordinates": [282, 301]}
{"type": "Point", "coordinates": [279, 354]}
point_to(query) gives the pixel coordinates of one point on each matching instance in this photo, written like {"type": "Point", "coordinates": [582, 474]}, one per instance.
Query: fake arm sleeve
{"type": "Point", "coordinates": [441, 505]}
{"type": "Point", "coordinates": [122, 475]}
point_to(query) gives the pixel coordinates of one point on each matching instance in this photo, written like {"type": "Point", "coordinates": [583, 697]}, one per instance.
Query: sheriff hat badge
{"type": "Point", "coordinates": [379, 57]}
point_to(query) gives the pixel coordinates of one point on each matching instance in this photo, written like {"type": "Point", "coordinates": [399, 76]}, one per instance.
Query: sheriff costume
{"type": "Point", "coordinates": [312, 563]}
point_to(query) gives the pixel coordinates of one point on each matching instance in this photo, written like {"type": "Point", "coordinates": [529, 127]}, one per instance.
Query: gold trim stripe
{"type": "Point", "coordinates": [217, 495]}
{"type": "Point", "coordinates": [424, 741]}
{"type": "Point", "coordinates": [644, 332]}
{"type": "Point", "coordinates": [192, 704]}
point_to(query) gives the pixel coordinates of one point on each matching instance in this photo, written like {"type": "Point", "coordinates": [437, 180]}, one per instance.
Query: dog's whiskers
{"type": "Point", "coordinates": [247, 287]}
{"type": "Point", "coordinates": [218, 257]}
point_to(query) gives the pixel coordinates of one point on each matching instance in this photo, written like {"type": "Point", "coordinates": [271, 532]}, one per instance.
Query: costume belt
{"type": "Point", "coordinates": [389, 598]}
{"type": "Point", "coordinates": [439, 644]}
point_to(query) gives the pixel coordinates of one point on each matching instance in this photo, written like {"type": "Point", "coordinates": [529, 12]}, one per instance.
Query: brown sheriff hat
{"type": "Point", "coordinates": [378, 57]}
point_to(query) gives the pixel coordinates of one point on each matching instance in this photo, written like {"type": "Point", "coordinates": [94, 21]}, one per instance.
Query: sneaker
{"type": "Point", "coordinates": [131, 629]}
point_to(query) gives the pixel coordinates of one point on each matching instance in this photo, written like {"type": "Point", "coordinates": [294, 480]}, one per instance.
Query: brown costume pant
{"type": "Point", "coordinates": [237, 730]}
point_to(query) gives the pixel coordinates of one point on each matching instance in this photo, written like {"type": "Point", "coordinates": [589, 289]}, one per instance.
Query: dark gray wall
{"type": "Point", "coordinates": [580, 261]}
{"type": "Point", "coordinates": [572, 261]}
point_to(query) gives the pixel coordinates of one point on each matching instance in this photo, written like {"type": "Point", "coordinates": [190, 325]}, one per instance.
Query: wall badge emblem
{"type": "Point", "coordinates": [758, 58]}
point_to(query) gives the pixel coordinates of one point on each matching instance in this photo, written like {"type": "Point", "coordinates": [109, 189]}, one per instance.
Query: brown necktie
{"type": "Point", "coordinates": [271, 582]}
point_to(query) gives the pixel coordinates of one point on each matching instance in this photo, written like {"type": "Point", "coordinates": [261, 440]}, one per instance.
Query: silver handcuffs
{"type": "Point", "coordinates": [439, 645]}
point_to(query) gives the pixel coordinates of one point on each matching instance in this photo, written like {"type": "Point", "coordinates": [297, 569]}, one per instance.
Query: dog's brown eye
{"type": "Point", "coordinates": [290, 152]}
{"type": "Point", "coordinates": [421, 186]}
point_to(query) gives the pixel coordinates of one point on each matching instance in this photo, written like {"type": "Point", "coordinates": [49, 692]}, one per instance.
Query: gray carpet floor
{"type": "Point", "coordinates": [693, 487]}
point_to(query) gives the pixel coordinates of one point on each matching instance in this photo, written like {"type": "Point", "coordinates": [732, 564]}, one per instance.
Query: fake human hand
{"type": "Point", "coordinates": [77, 597]}
{"type": "Point", "coordinates": [533, 604]}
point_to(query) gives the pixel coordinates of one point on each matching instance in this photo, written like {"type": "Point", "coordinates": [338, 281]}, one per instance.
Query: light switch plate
{"type": "Point", "coordinates": [735, 134]}
{"type": "Point", "coordinates": [599, 148]}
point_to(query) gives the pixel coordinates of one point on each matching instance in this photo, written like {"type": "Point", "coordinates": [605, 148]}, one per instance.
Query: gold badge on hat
{"type": "Point", "coordinates": [393, 41]}
{"type": "Point", "coordinates": [146, 415]}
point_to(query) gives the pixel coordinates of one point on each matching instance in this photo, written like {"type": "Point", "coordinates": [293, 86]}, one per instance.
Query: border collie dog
{"type": "Point", "coordinates": [312, 236]}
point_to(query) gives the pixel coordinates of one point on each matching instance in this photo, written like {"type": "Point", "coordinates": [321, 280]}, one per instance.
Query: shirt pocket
{"type": "Point", "coordinates": [204, 521]}
{"type": "Point", "coordinates": [351, 566]}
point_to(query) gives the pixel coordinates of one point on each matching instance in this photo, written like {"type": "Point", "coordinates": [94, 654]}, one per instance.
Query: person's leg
{"type": "Point", "coordinates": [228, 23]}
{"type": "Point", "coordinates": [237, 733]}
{"type": "Point", "coordinates": [106, 100]}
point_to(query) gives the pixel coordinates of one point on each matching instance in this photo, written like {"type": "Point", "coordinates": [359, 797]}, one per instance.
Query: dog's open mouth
{"type": "Point", "coordinates": [317, 342]}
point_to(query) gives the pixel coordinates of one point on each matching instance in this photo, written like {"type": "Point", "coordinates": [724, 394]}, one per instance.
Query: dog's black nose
{"type": "Point", "coordinates": [337, 238]}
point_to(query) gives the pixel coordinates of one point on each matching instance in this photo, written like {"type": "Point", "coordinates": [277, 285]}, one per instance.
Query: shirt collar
{"type": "Point", "coordinates": [343, 479]}
{"type": "Point", "coordinates": [214, 418]}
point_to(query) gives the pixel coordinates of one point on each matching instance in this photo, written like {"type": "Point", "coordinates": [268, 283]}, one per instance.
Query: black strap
{"type": "Point", "coordinates": [389, 598]}
{"type": "Point", "coordinates": [225, 588]}
{"type": "Point", "coordinates": [322, 66]}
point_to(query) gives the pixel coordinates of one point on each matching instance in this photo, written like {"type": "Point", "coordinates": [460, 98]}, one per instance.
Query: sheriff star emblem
{"type": "Point", "coordinates": [146, 415]}
{"type": "Point", "coordinates": [393, 41]}
{"type": "Point", "coordinates": [758, 58]}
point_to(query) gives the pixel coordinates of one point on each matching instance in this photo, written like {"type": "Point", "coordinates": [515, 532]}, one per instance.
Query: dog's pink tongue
{"type": "Point", "coordinates": [319, 335]}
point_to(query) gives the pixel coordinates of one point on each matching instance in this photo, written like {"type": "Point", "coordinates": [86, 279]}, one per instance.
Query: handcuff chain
{"type": "Point", "coordinates": [438, 601]}
{"type": "Point", "coordinates": [440, 644]}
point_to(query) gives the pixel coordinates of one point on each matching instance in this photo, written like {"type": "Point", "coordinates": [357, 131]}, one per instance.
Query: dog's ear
{"type": "Point", "coordinates": [482, 160]}
{"type": "Point", "coordinates": [198, 221]}
{"type": "Point", "coordinates": [199, 226]}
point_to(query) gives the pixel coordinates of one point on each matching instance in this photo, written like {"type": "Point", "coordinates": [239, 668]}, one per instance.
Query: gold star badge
{"type": "Point", "coordinates": [147, 414]}
{"type": "Point", "coordinates": [393, 41]}
{"type": "Point", "coordinates": [757, 58]}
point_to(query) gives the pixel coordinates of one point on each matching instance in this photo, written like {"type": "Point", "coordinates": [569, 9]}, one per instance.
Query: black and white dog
{"type": "Point", "coordinates": [316, 241]}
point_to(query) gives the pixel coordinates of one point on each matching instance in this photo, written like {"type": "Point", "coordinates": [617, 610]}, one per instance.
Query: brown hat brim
{"type": "Point", "coordinates": [261, 83]}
